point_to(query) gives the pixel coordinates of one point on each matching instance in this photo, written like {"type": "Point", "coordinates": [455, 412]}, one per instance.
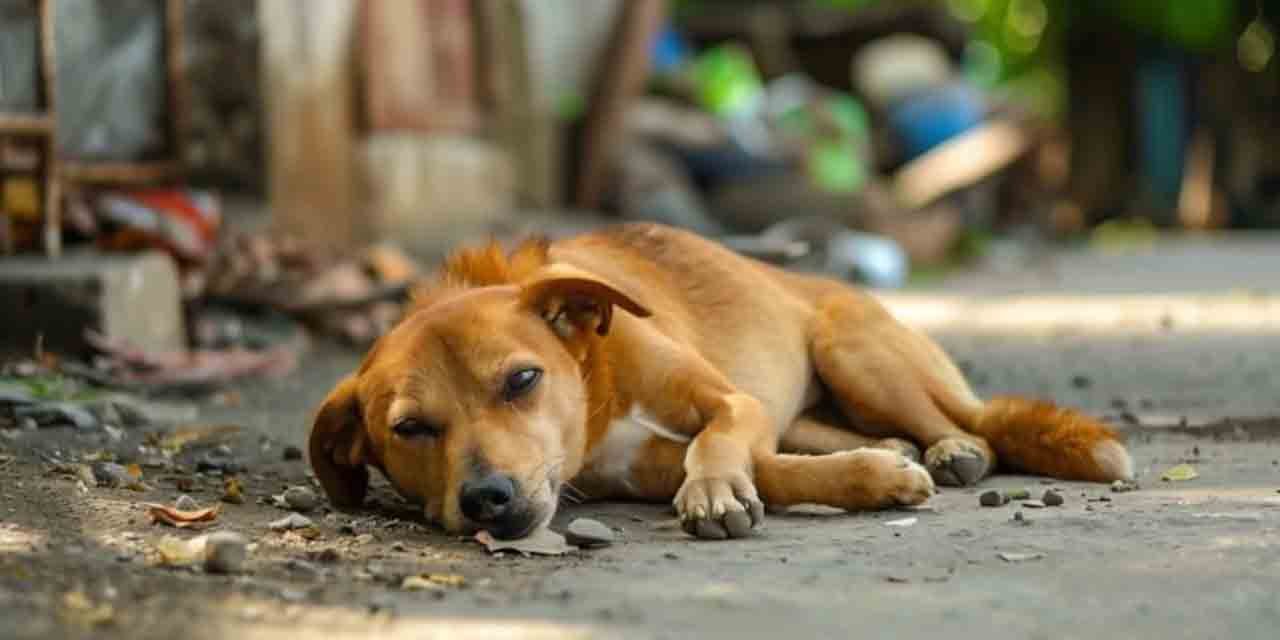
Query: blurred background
{"type": "Point", "coordinates": [307, 159]}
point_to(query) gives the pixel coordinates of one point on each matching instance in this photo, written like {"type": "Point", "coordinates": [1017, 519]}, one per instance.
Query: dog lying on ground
{"type": "Point", "coordinates": [646, 363]}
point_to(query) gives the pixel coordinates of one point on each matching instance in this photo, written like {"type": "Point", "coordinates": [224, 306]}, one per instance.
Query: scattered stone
{"type": "Point", "coordinates": [301, 498]}
{"type": "Point", "coordinates": [1019, 557]}
{"type": "Point", "coordinates": [48, 414]}
{"type": "Point", "coordinates": [1018, 518]}
{"type": "Point", "coordinates": [28, 424]}
{"type": "Point", "coordinates": [364, 538]}
{"type": "Point", "coordinates": [1123, 486]}
{"type": "Point", "coordinates": [185, 503]}
{"type": "Point", "coordinates": [1033, 504]}
{"type": "Point", "coordinates": [1052, 498]}
{"type": "Point", "coordinates": [1081, 382]}
{"type": "Point", "coordinates": [671, 556]}
{"type": "Point", "coordinates": [225, 552]}
{"type": "Point", "coordinates": [110, 474]}
{"type": "Point", "coordinates": [588, 533]}
{"type": "Point", "coordinates": [290, 522]}
{"type": "Point", "coordinates": [292, 453]}
{"type": "Point", "coordinates": [302, 568]}
{"type": "Point", "coordinates": [398, 546]}
{"type": "Point", "coordinates": [992, 498]}
{"type": "Point", "coordinates": [213, 462]}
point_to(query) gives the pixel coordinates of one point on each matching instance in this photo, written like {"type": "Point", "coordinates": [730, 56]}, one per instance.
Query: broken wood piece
{"type": "Point", "coordinates": [959, 162]}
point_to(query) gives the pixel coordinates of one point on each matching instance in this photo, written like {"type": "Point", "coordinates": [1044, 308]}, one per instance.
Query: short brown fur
{"type": "Point", "coordinates": [673, 369]}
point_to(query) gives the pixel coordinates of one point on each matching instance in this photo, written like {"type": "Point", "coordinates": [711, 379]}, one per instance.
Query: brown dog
{"type": "Point", "coordinates": [723, 383]}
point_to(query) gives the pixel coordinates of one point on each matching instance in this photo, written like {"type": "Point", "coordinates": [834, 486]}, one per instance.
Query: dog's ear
{"type": "Point", "coordinates": [576, 302]}
{"type": "Point", "coordinates": [339, 447]}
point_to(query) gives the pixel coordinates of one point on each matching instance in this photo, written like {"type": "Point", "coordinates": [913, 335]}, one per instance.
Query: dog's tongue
{"type": "Point", "coordinates": [542, 542]}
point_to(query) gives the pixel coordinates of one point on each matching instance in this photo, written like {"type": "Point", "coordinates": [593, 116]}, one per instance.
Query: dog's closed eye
{"type": "Point", "coordinates": [520, 382]}
{"type": "Point", "coordinates": [413, 428]}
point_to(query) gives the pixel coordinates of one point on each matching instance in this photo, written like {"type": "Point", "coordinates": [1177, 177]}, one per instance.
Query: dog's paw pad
{"type": "Point", "coordinates": [956, 463]}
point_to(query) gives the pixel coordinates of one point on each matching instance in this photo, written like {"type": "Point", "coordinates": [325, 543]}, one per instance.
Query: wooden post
{"type": "Point", "coordinates": [49, 167]}
{"type": "Point", "coordinates": [307, 50]}
{"type": "Point", "coordinates": [620, 77]}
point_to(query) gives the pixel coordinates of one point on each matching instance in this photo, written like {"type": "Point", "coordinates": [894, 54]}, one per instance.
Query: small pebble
{"type": "Point", "coordinates": [1052, 498]}
{"type": "Point", "coordinates": [585, 532]}
{"type": "Point", "coordinates": [28, 424]}
{"type": "Point", "coordinates": [225, 552]}
{"type": "Point", "coordinates": [185, 503]}
{"type": "Point", "coordinates": [1017, 517]}
{"type": "Point", "coordinates": [301, 498]}
{"type": "Point", "coordinates": [292, 453]}
{"type": "Point", "coordinates": [1122, 486]}
{"type": "Point", "coordinates": [291, 521]}
{"type": "Point", "coordinates": [991, 498]}
{"type": "Point", "coordinates": [110, 474]}
{"type": "Point", "coordinates": [398, 546]}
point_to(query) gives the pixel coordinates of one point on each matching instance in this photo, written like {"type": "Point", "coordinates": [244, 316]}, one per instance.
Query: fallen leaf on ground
{"type": "Point", "coordinates": [198, 519]}
{"type": "Point", "coordinates": [176, 552]}
{"type": "Point", "coordinates": [432, 581]}
{"type": "Point", "coordinates": [185, 436]}
{"type": "Point", "coordinates": [543, 542]}
{"type": "Point", "coordinates": [1019, 557]}
{"type": "Point", "coordinates": [1180, 473]}
{"type": "Point", "coordinates": [231, 491]}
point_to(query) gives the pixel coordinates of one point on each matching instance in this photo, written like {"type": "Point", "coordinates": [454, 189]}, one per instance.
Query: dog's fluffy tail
{"type": "Point", "coordinates": [1041, 438]}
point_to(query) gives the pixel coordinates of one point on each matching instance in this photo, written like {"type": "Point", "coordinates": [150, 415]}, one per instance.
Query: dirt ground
{"type": "Point", "coordinates": [1187, 559]}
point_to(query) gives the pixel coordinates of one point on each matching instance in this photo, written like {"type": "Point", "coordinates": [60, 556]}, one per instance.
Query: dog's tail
{"type": "Point", "coordinates": [1041, 438]}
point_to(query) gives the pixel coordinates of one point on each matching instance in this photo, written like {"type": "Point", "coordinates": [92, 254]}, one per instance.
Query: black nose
{"type": "Point", "coordinates": [488, 498]}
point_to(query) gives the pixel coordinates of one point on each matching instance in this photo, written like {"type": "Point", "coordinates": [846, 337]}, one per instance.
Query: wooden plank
{"type": "Point", "coordinates": [505, 89]}
{"type": "Point", "coordinates": [34, 124]}
{"type": "Point", "coordinates": [120, 172]}
{"type": "Point", "coordinates": [418, 62]}
{"type": "Point", "coordinates": [619, 79]}
{"type": "Point", "coordinates": [307, 56]}
{"type": "Point", "coordinates": [49, 174]}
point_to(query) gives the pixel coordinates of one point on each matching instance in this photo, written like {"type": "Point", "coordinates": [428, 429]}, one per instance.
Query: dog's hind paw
{"type": "Point", "coordinates": [957, 463]}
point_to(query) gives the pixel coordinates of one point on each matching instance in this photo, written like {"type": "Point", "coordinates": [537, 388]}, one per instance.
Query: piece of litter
{"type": "Point", "coordinates": [1033, 504]}
{"type": "Point", "coordinates": [1019, 557]}
{"type": "Point", "coordinates": [904, 522]}
{"type": "Point", "coordinates": [543, 542]}
{"type": "Point", "coordinates": [1180, 473]}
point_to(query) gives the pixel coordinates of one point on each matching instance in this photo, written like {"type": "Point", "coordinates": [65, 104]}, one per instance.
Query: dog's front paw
{"type": "Point", "coordinates": [719, 507]}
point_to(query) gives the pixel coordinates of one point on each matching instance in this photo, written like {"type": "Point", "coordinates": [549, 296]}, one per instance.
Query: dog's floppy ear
{"type": "Point", "coordinates": [339, 447]}
{"type": "Point", "coordinates": [575, 302]}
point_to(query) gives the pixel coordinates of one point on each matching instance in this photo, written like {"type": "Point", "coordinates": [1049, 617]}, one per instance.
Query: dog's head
{"type": "Point", "coordinates": [476, 404]}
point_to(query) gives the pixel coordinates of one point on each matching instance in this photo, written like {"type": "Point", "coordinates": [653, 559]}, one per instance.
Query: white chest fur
{"type": "Point", "coordinates": [613, 458]}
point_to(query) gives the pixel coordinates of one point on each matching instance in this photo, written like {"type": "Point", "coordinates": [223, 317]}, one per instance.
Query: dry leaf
{"type": "Point", "coordinates": [543, 542]}
{"type": "Point", "coordinates": [1179, 473]}
{"type": "Point", "coordinates": [188, 435]}
{"type": "Point", "coordinates": [134, 470]}
{"type": "Point", "coordinates": [198, 519]}
{"type": "Point", "coordinates": [232, 492]}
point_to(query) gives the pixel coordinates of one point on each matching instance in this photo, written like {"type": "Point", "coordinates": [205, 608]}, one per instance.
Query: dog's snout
{"type": "Point", "coordinates": [488, 498]}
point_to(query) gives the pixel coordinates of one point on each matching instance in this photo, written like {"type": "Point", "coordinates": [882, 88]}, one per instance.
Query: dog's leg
{"type": "Point", "coordinates": [854, 480]}
{"type": "Point", "coordinates": [886, 374]}
{"type": "Point", "coordinates": [813, 435]}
